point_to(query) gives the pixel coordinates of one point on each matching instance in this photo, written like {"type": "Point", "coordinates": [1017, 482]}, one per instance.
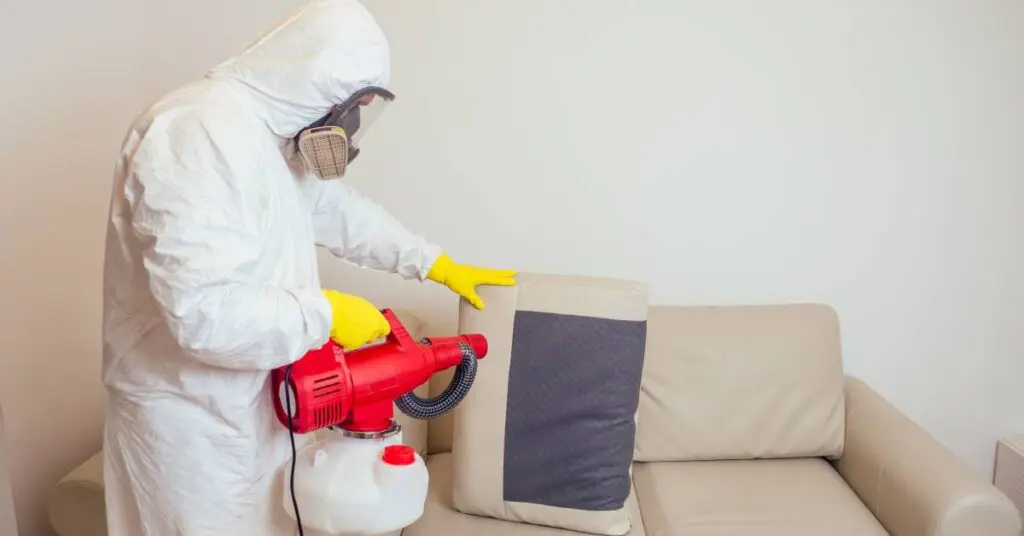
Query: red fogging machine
{"type": "Point", "coordinates": [357, 390]}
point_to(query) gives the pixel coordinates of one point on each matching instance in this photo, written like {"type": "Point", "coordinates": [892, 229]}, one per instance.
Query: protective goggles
{"type": "Point", "coordinates": [332, 143]}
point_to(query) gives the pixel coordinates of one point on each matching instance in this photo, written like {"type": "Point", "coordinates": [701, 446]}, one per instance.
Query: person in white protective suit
{"type": "Point", "coordinates": [211, 275]}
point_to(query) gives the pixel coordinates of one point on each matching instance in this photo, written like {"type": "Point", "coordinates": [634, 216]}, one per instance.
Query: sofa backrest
{"type": "Point", "coordinates": [741, 382]}
{"type": "Point", "coordinates": [731, 382]}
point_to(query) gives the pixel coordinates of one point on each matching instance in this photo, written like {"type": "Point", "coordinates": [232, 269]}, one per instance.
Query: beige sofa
{"type": "Point", "coordinates": [730, 467]}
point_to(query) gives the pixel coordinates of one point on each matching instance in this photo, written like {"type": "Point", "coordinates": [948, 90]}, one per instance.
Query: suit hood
{"type": "Point", "coordinates": [311, 61]}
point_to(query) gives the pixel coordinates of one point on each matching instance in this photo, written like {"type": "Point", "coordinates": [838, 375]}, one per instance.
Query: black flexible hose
{"type": "Point", "coordinates": [432, 408]}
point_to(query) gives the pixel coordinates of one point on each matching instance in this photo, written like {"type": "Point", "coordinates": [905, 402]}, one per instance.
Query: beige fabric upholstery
{"type": "Point", "coordinates": [891, 476]}
{"type": "Point", "coordinates": [478, 444]}
{"type": "Point", "coordinates": [8, 520]}
{"type": "Point", "coordinates": [741, 382]}
{"type": "Point", "coordinates": [794, 497]}
{"type": "Point", "coordinates": [441, 519]}
{"type": "Point", "coordinates": [913, 484]}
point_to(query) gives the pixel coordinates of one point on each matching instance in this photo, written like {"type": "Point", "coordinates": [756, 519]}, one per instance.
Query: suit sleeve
{"type": "Point", "coordinates": [354, 228]}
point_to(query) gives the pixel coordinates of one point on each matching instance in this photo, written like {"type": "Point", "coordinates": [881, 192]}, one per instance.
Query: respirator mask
{"type": "Point", "coordinates": [332, 143]}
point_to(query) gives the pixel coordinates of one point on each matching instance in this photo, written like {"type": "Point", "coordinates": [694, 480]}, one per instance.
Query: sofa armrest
{"type": "Point", "coordinates": [76, 503]}
{"type": "Point", "coordinates": [911, 482]}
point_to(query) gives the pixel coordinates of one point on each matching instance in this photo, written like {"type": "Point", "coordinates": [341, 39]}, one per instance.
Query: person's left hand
{"type": "Point", "coordinates": [463, 279]}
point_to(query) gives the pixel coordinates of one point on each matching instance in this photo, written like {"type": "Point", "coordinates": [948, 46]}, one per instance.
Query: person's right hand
{"type": "Point", "coordinates": [355, 321]}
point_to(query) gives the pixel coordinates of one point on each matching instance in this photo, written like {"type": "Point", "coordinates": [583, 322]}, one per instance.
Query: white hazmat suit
{"type": "Point", "coordinates": [211, 276]}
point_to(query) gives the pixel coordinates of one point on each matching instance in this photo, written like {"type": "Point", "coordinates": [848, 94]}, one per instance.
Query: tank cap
{"type": "Point", "coordinates": [399, 455]}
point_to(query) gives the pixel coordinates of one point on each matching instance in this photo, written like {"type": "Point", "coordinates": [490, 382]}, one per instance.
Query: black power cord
{"type": "Point", "coordinates": [291, 434]}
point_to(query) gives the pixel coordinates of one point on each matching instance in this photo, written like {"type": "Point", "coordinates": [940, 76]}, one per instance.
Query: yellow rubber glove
{"type": "Point", "coordinates": [463, 279]}
{"type": "Point", "coordinates": [355, 322]}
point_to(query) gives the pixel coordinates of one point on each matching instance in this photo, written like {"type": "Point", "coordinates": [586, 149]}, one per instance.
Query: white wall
{"type": "Point", "coordinates": [864, 154]}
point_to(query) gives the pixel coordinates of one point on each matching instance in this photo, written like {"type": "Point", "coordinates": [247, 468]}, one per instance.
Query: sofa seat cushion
{"type": "Point", "coordinates": [794, 497]}
{"type": "Point", "coordinates": [440, 517]}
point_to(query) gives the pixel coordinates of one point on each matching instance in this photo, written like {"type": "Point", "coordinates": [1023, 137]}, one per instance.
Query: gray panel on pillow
{"type": "Point", "coordinates": [574, 387]}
